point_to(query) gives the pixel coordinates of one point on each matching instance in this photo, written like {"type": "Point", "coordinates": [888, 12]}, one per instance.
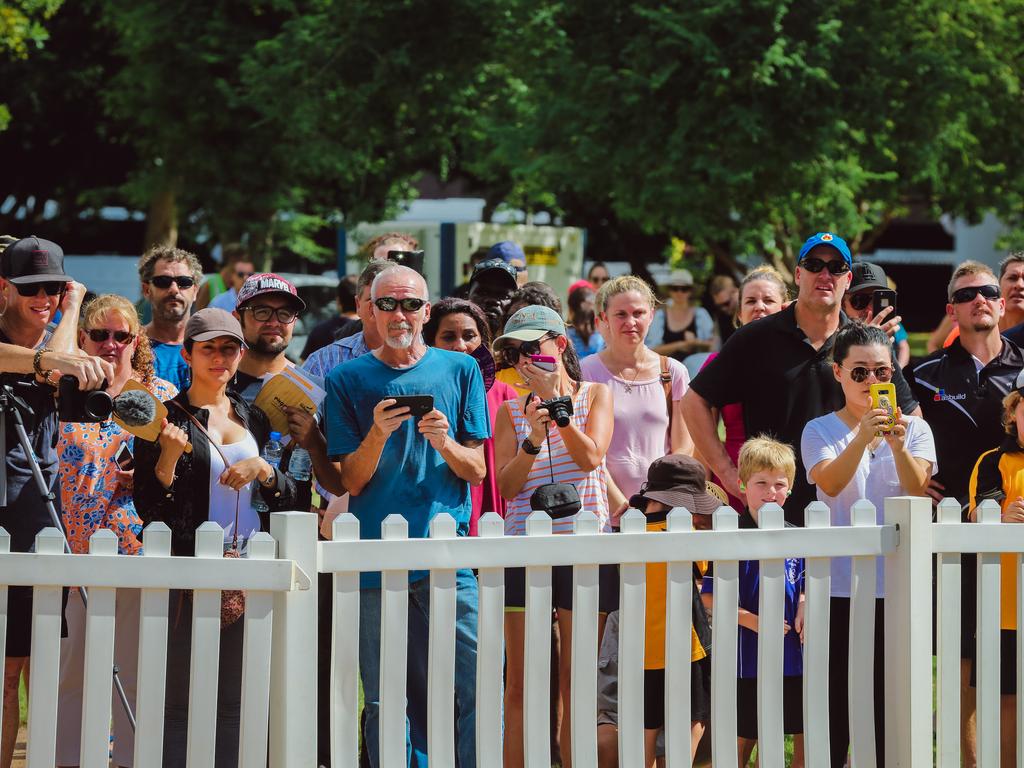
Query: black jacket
{"type": "Point", "coordinates": [185, 505]}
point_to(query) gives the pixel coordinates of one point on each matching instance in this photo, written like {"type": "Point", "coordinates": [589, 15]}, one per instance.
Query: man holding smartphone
{"type": "Point", "coordinates": [871, 300]}
{"type": "Point", "coordinates": [393, 462]}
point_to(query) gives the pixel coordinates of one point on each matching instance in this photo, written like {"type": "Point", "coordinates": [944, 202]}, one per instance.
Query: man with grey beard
{"type": "Point", "coordinates": [418, 463]}
{"type": "Point", "coordinates": [170, 281]}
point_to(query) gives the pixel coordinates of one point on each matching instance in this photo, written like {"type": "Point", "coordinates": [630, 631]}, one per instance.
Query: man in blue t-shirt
{"type": "Point", "coordinates": [170, 281]}
{"type": "Point", "coordinates": [394, 461]}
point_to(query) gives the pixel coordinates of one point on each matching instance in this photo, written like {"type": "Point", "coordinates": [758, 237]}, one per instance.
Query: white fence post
{"type": "Point", "coordinates": [441, 655]}
{"type": "Point", "coordinates": [678, 630]}
{"type": "Point", "coordinates": [724, 640]}
{"type": "Point", "coordinates": [99, 661]}
{"type": "Point", "coordinates": [583, 686]}
{"type": "Point", "coordinates": [988, 642]}
{"type": "Point", "coordinates": [293, 667]}
{"type": "Point", "coordinates": [204, 667]}
{"type": "Point", "coordinates": [817, 610]}
{"type": "Point", "coordinates": [394, 651]}
{"type": "Point", "coordinates": [947, 673]}
{"type": "Point", "coordinates": [490, 646]}
{"type": "Point", "coordinates": [861, 670]}
{"type": "Point", "coordinates": [257, 651]}
{"type": "Point", "coordinates": [345, 654]}
{"type": "Point", "coordinates": [537, 655]}
{"type": "Point", "coordinates": [908, 635]}
{"type": "Point", "coordinates": [152, 680]}
{"type": "Point", "coordinates": [44, 672]}
{"type": "Point", "coordinates": [770, 648]}
{"type": "Point", "coordinates": [632, 609]}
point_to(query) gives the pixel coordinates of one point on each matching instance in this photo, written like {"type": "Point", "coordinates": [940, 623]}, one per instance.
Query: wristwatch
{"type": "Point", "coordinates": [530, 448]}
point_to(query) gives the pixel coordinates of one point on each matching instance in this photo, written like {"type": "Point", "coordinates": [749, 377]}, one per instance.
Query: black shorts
{"type": "Point", "coordinates": [746, 706]}
{"type": "Point", "coordinates": [19, 621]}
{"type": "Point", "coordinates": [1007, 664]}
{"type": "Point", "coordinates": [561, 588]}
{"type": "Point", "coordinates": [700, 694]}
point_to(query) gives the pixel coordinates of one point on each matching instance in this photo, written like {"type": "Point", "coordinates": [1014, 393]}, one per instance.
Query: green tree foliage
{"type": "Point", "coordinates": [22, 30]}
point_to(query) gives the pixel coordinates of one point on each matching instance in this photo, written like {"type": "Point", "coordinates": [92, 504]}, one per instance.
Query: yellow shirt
{"type": "Point", "coordinates": [511, 377]}
{"type": "Point", "coordinates": [654, 635]}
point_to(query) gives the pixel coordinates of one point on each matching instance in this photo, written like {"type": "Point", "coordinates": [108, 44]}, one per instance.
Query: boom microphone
{"type": "Point", "coordinates": [136, 408]}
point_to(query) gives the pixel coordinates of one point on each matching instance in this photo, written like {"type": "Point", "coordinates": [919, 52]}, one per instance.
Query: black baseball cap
{"type": "Point", "coordinates": [32, 260]}
{"type": "Point", "coordinates": [867, 275]}
{"type": "Point", "coordinates": [497, 271]}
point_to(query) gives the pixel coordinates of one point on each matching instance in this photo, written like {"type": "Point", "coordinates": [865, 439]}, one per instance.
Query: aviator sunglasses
{"type": "Point", "coordinates": [815, 265]}
{"type": "Point", "coordinates": [390, 304]}
{"type": "Point", "coordinates": [963, 295]}
{"type": "Point", "coordinates": [99, 335]}
{"type": "Point", "coordinates": [163, 282]}
{"type": "Point", "coordinates": [51, 287]}
{"type": "Point", "coordinates": [860, 374]}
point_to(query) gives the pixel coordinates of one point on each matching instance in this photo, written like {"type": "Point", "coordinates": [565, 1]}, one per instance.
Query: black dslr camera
{"type": "Point", "coordinates": [76, 405]}
{"type": "Point", "coordinates": [559, 409]}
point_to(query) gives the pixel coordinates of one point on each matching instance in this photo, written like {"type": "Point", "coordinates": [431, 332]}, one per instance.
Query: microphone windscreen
{"type": "Point", "coordinates": [135, 407]}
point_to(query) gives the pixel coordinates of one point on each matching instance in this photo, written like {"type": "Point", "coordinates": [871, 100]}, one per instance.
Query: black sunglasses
{"type": "Point", "coordinates": [163, 282]}
{"type": "Point", "coordinates": [963, 295]}
{"type": "Point", "coordinates": [510, 355]}
{"type": "Point", "coordinates": [262, 314]}
{"type": "Point", "coordinates": [390, 304]}
{"type": "Point", "coordinates": [100, 335]}
{"type": "Point", "coordinates": [834, 267]}
{"type": "Point", "coordinates": [861, 300]}
{"type": "Point", "coordinates": [52, 288]}
{"type": "Point", "coordinates": [860, 374]}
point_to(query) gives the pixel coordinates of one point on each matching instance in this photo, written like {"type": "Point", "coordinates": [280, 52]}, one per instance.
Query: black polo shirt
{"type": "Point", "coordinates": [770, 368]}
{"type": "Point", "coordinates": [963, 406]}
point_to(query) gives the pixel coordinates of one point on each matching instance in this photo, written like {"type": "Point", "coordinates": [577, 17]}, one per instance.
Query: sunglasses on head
{"type": "Point", "coordinates": [163, 282]}
{"type": "Point", "coordinates": [860, 374]}
{"type": "Point", "coordinates": [99, 335]}
{"type": "Point", "coordinates": [390, 304]}
{"type": "Point", "coordinates": [834, 267]}
{"type": "Point", "coordinates": [510, 355]}
{"type": "Point", "coordinates": [52, 288]}
{"type": "Point", "coordinates": [963, 295]}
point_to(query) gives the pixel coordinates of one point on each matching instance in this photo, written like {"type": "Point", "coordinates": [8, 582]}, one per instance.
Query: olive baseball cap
{"type": "Point", "coordinates": [32, 260]}
{"type": "Point", "coordinates": [530, 324]}
{"type": "Point", "coordinates": [212, 323]}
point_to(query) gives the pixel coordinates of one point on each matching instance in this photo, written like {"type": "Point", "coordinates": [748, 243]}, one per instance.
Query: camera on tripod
{"type": "Point", "coordinates": [76, 405]}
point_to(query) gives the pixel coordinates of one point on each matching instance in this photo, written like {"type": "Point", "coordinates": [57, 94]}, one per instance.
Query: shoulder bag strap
{"type": "Point", "coordinates": [666, 382]}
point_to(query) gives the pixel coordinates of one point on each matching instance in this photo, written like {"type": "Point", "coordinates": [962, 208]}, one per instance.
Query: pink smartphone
{"type": "Point", "coordinates": [544, 362]}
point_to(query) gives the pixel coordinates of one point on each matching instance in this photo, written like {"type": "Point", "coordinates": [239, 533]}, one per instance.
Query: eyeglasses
{"type": "Point", "coordinates": [263, 314]}
{"type": "Point", "coordinates": [681, 288]}
{"type": "Point", "coordinates": [52, 288]}
{"type": "Point", "coordinates": [510, 355]}
{"type": "Point", "coordinates": [99, 335]}
{"type": "Point", "coordinates": [390, 304]}
{"type": "Point", "coordinates": [861, 300]}
{"type": "Point", "coordinates": [860, 374]}
{"type": "Point", "coordinates": [963, 295]}
{"type": "Point", "coordinates": [834, 267]}
{"type": "Point", "coordinates": [163, 282]}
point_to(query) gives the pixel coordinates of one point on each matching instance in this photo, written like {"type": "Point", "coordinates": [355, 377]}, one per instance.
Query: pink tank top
{"type": "Point", "coordinates": [590, 485]}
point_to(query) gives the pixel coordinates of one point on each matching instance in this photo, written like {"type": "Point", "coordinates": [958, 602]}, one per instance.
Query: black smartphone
{"type": "Point", "coordinates": [124, 459]}
{"type": "Point", "coordinates": [881, 299]}
{"type": "Point", "coordinates": [419, 405]}
{"type": "Point", "coordinates": [411, 259]}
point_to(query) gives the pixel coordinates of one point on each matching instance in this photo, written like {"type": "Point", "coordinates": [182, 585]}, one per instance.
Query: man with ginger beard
{"type": "Point", "coordinates": [422, 465]}
{"type": "Point", "coordinates": [961, 389]}
{"type": "Point", "coordinates": [170, 281]}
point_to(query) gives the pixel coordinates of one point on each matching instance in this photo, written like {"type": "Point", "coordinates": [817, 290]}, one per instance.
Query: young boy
{"type": "Point", "coordinates": [766, 469]}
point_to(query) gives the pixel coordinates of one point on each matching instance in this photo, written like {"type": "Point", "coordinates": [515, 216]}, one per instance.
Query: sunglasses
{"type": "Point", "coordinates": [244, 275]}
{"type": "Point", "coordinates": [510, 355]}
{"type": "Point", "coordinates": [599, 280]}
{"type": "Point", "coordinates": [262, 314]}
{"type": "Point", "coordinates": [861, 300]}
{"type": "Point", "coordinates": [99, 335]}
{"type": "Point", "coordinates": [163, 282]}
{"type": "Point", "coordinates": [860, 374]}
{"type": "Point", "coordinates": [963, 295]}
{"type": "Point", "coordinates": [52, 288]}
{"type": "Point", "coordinates": [390, 304]}
{"type": "Point", "coordinates": [681, 288]}
{"type": "Point", "coordinates": [834, 267]}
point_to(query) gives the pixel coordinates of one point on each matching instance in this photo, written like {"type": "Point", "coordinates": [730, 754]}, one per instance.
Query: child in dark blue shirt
{"type": "Point", "coordinates": [766, 469]}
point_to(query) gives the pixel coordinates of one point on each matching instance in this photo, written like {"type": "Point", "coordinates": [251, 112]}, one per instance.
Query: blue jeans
{"type": "Point", "coordinates": [416, 703]}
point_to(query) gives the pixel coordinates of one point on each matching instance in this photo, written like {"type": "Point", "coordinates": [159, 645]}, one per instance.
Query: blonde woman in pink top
{"type": "Point", "coordinates": [529, 448]}
{"type": "Point", "coordinates": [646, 388]}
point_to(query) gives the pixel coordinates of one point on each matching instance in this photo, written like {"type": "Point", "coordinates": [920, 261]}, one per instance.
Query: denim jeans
{"type": "Point", "coordinates": [416, 702]}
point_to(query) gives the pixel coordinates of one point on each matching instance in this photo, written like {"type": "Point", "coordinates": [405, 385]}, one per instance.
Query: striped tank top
{"type": "Point", "coordinates": [590, 485]}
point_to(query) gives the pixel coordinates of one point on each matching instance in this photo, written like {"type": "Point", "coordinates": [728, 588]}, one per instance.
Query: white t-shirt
{"type": "Point", "coordinates": [223, 499]}
{"type": "Point", "coordinates": [875, 479]}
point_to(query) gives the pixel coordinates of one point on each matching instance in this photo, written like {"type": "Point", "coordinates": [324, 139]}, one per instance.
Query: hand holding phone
{"type": "Point", "coordinates": [418, 405]}
{"type": "Point", "coordinates": [544, 362]}
{"type": "Point", "coordinates": [882, 299]}
{"type": "Point", "coordinates": [883, 396]}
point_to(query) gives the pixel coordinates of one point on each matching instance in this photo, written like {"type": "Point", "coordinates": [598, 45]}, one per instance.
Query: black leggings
{"type": "Point", "coordinates": [838, 681]}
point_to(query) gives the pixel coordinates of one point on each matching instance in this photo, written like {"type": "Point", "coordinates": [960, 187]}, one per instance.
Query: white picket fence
{"type": "Point", "coordinates": [280, 650]}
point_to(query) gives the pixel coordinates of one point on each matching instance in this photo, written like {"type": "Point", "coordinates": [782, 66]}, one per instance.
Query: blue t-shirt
{"type": "Point", "coordinates": [169, 365]}
{"type": "Point", "coordinates": [412, 479]}
{"type": "Point", "coordinates": [750, 585]}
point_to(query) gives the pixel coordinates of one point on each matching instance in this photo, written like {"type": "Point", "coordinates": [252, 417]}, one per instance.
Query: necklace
{"type": "Point", "coordinates": [628, 385]}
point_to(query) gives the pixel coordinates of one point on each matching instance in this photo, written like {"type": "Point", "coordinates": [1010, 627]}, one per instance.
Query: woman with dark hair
{"type": "Point", "coordinates": [534, 294]}
{"type": "Point", "coordinates": [598, 274]}
{"type": "Point", "coordinates": [461, 326]}
{"type": "Point", "coordinates": [582, 328]}
{"type": "Point", "coordinates": [849, 457]}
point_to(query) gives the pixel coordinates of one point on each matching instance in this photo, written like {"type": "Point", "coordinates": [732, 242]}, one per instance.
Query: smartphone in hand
{"type": "Point", "coordinates": [123, 459]}
{"type": "Point", "coordinates": [544, 362]}
{"type": "Point", "coordinates": [419, 405]}
{"type": "Point", "coordinates": [884, 396]}
{"type": "Point", "coordinates": [881, 299]}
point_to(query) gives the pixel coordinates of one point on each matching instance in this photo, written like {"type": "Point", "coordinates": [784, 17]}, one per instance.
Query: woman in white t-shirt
{"type": "Point", "coordinates": [849, 459]}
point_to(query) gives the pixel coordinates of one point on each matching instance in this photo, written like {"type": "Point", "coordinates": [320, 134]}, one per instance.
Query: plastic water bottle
{"type": "Point", "coordinates": [300, 465]}
{"type": "Point", "coordinates": [272, 453]}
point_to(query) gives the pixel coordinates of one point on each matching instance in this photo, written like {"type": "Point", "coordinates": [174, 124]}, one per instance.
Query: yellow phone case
{"type": "Point", "coordinates": [884, 396]}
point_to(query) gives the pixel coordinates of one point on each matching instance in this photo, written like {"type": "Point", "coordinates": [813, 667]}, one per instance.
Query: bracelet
{"type": "Point", "coordinates": [37, 365]}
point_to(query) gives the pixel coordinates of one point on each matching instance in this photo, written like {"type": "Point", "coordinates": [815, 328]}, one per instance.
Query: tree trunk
{"type": "Point", "coordinates": [162, 219]}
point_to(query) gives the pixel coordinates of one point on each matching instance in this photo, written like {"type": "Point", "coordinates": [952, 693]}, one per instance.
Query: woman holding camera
{"type": "Point", "coordinates": [557, 433]}
{"type": "Point", "coordinates": [216, 481]}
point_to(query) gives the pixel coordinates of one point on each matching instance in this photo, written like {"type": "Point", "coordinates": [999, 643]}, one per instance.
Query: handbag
{"type": "Point", "coordinates": [232, 601]}
{"type": "Point", "coordinates": [557, 499]}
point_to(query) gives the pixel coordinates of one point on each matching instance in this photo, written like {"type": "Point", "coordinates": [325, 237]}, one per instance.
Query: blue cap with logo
{"type": "Point", "coordinates": [507, 251]}
{"type": "Point", "coordinates": [826, 238]}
